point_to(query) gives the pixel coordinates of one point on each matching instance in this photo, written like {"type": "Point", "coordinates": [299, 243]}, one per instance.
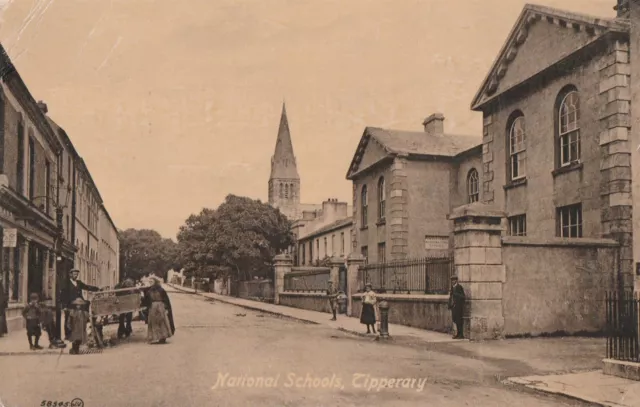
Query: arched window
{"type": "Point", "coordinates": [473, 191]}
{"type": "Point", "coordinates": [291, 191]}
{"type": "Point", "coordinates": [281, 194]}
{"type": "Point", "coordinates": [286, 191]}
{"type": "Point", "coordinates": [517, 147]}
{"type": "Point", "coordinates": [382, 196]}
{"type": "Point", "coordinates": [568, 126]}
{"type": "Point", "coordinates": [364, 206]}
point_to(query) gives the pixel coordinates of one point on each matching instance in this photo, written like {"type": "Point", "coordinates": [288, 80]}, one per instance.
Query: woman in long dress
{"type": "Point", "coordinates": [368, 315]}
{"type": "Point", "coordinates": [160, 325]}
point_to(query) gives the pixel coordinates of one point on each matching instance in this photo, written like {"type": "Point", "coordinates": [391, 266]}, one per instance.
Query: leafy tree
{"type": "Point", "coordinates": [145, 251]}
{"type": "Point", "coordinates": [241, 237]}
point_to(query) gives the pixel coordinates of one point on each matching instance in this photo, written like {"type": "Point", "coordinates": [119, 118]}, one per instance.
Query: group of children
{"type": "Point", "coordinates": [40, 316]}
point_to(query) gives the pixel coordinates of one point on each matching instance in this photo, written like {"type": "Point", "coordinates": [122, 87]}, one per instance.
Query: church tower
{"type": "Point", "coordinates": [284, 182]}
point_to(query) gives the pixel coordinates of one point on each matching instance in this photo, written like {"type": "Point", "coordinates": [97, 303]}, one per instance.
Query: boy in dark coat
{"type": "Point", "coordinates": [31, 313]}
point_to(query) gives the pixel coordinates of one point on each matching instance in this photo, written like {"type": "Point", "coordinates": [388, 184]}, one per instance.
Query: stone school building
{"type": "Point", "coordinates": [535, 211]}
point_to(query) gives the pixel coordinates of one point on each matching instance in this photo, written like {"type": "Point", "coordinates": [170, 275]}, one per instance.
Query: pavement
{"type": "Point", "coordinates": [343, 323]}
{"type": "Point", "coordinates": [594, 387]}
{"type": "Point", "coordinates": [223, 355]}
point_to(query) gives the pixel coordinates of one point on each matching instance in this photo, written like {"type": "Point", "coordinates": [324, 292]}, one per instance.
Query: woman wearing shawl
{"type": "Point", "coordinates": [369, 313]}
{"type": "Point", "coordinates": [160, 316]}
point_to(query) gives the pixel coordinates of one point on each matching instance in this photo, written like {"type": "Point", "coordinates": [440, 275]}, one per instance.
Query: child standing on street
{"type": "Point", "coordinates": [31, 313]}
{"type": "Point", "coordinates": [47, 320]}
{"type": "Point", "coordinates": [79, 318]}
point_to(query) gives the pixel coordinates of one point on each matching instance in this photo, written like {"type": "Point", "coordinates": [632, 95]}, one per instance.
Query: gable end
{"type": "Point", "coordinates": [589, 28]}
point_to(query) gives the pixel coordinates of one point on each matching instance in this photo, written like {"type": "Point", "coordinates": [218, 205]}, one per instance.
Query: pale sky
{"type": "Point", "coordinates": [175, 104]}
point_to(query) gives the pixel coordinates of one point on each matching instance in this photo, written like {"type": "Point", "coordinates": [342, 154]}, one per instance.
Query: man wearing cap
{"type": "Point", "coordinates": [71, 290]}
{"type": "Point", "coordinates": [457, 299]}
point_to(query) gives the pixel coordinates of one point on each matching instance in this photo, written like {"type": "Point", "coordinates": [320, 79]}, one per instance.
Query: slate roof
{"type": "Point", "coordinates": [419, 142]}
{"type": "Point", "coordinates": [332, 226]}
{"type": "Point", "coordinates": [416, 143]}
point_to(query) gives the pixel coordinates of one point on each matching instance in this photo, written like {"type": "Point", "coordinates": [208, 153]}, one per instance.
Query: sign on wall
{"type": "Point", "coordinates": [10, 238]}
{"type": "Point", "coordinates": [436, 242]}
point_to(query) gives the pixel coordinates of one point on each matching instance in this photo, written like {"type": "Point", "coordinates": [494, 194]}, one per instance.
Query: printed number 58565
{"type": "Point", "coordinates": [73, 403]}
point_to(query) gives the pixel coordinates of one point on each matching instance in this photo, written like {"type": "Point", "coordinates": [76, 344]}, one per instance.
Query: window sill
{"type": "Point", "coordinates": [515, 183]}
{"type": "Point", "coordinates": [364, 228]}
{"type": "Point", "coordinates": [381, 222]}
{"type": "Point", "coordinates": [574, 166]}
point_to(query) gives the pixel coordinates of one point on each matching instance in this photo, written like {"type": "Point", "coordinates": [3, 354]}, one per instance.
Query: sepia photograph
{"type": "Point", "coordinates": [319, 203]}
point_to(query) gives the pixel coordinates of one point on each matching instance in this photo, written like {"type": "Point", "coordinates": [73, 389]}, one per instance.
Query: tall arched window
{"type": "Point", "coordinates": [286, 191]}
{"type": "Point", "coordinates": [281, 194]}
{"type": "Point", "coordinates": [568, 126]}
{"type": "Point", "coordinates": [363, 206]}
{"type": "Point", "coordinates": [291, 191]}
{"type": "Point", "coordinates": [473, 190]}
{"type": "Point", "coordinates": [517, 147]}
{"type": "Point", "coordinates": [382, 196]}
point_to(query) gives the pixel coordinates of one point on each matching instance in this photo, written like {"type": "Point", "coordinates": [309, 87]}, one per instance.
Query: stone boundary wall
{"type": "Point", "coordinates": [418, 311]}
{"type": "Point", "coordinates": [309, 301]}
{"type": "Point", "coordinates": [557, 285]}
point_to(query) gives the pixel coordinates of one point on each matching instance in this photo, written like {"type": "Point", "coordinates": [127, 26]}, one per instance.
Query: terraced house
{"type": "Point", "coordinates": [49, 206]}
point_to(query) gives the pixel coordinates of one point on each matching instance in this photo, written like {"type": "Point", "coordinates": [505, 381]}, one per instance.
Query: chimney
{"type": "Point", "coordinates": [622, 8]}
{"type": "Point", "coordinates": [43, 107]}
{"type": "Point", "coordinates": [434, 124]}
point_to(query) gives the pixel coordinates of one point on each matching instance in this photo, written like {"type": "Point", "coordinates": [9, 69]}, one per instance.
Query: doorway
{"type": "Point", "coordinates": [36, 269]}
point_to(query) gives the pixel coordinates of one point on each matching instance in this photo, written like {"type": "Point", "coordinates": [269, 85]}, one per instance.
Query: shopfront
{"type": "Point", "coordinates": [27, 255]}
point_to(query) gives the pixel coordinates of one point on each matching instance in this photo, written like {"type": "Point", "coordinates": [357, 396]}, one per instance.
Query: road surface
{"type": "Point", "coordinates": [223, 355]}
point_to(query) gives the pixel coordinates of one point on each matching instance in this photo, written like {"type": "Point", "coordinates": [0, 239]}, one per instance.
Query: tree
{"type": "Point", "coordinates": [241, 237]}
{"type": "Point", "coordinates": [145, 251]}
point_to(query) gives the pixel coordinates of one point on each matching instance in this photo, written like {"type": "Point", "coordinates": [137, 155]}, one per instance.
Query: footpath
{"type": "Point", "coordinates": [577, 358]}
{"type": "Point", "coordinates": [343, 323]}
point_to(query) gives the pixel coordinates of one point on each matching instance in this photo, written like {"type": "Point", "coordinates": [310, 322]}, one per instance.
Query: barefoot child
{"type": "Point", "coordinates": [31, 313]}
{"type": "Point", "coordinates": [79, 318]}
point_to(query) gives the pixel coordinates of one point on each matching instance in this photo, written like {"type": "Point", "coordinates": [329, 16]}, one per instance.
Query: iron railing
{"type": "Point", "coordinates": [623, 309]}
{"type": "Point", "coordinates": [306, 281]}
{"type": "Point", "coordinates": [424, 276]}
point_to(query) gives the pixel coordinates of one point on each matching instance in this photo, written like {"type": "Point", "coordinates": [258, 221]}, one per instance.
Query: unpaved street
{"type": "Point", "coordinates": [289, 363]}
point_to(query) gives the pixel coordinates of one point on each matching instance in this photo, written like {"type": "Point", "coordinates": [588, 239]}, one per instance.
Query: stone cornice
{"type": "Point", "coordinates": [357, 156]}
{"type": "Point", "coordinates": [10, 76]}
{"type": "Point", "coordinates": [376, 165]}
{"type": "Point", "coordinates": [530, 15]}
{"type": "Point", "coordinates": [25, 211]}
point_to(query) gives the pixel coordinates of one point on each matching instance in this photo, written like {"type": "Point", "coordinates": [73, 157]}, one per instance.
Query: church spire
{"type": "Point", "coordinates": [283, 162]}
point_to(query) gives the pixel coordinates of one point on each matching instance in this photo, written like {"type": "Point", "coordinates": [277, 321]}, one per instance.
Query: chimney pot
{"type": "Point", "coordinates": [434, 124]}
{"type": "Point", "coordinates": [43, 107]}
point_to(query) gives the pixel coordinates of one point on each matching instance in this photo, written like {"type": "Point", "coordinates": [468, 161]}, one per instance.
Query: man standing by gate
{"type": "Point", "coordinates": [332, 293]}
{"type": "Point", "coordinates": [457, 299]}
